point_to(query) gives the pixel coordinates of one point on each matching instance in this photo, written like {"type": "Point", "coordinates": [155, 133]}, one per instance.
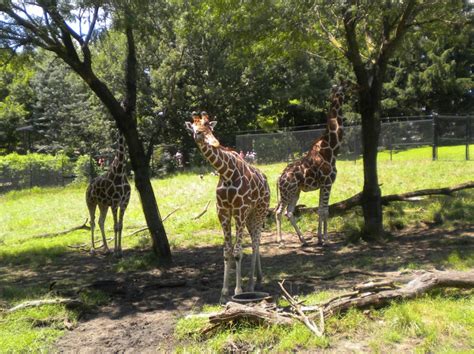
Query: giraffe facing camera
{"type": "Point", "coordinates": [242, 194]}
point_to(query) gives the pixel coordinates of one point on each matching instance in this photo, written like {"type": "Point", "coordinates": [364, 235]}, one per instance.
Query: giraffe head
{"type": "Point", "coordinates": [338, 91]}
{"type": "Point", "coordinates": [202, 129]}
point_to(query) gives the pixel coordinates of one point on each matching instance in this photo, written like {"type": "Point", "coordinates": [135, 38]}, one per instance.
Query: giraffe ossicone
{"type": "Point", "coordinates": [110, 190]}
{"type": "Point", "coordinates": [242, 194]}
{"type": "Point", "coordinates": [316, 170]}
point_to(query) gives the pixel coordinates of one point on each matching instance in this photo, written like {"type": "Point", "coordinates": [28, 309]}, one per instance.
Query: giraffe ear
{"type": "Point", "coordinates": [212, 124]}
{"type": "Point", "coordinates": [189, 127]}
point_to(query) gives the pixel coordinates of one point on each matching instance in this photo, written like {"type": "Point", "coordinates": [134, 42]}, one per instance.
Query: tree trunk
{"type": "Point", "coordinates": [150, 207]}
{"type": "Point", "coordinates": [128, 127]}
{"type": "Point", "coordinates": [371, 194]}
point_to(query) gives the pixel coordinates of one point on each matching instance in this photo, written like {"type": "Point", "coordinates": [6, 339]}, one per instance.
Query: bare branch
{"type": "Point", "coordinates": [202, 212]}
{"type": "Point", "coordinates": [329, 36]}
{"type": "Point", "coordinates": [91, 27]}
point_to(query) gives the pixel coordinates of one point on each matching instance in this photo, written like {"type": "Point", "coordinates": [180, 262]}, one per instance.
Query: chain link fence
{"type": "Point", "coordinates": [397, 133]}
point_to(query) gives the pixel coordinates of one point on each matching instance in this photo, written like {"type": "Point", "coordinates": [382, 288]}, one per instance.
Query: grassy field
{"type": "Point", "coordinates": [433, 322]}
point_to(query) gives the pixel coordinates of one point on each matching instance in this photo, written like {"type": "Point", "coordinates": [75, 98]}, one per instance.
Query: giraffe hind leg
{"type": "Point", "coordinates": [278, 213]}
{"type": "Point", "coordinates": [290, 214]}
{"type": "Point", "coordinates": [103, 214]}
{"type": "Point", "coordinates": [116, 231]}
{"type": "Point", "coordinates": [92, 208]}
{"type": "Point", "coordinates": [323, 213]}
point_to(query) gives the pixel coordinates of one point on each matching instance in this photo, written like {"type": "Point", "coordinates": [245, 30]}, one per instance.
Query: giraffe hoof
{"type": "Point", "coordinates": [92, 252]}
{"type": "Point", "coordinates": [281, 244]}
{"type": "Point", "coordinates": [118, 254]}
{"type": "Point", "coordinates": [320, 244]}
{"type": "Point", "coordinates": [304, 244]}
{"type": "Point", "coordinates": [224, 299]}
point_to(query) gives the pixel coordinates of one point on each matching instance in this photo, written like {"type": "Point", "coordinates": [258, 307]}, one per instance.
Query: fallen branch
{"type": "Point", "coordinates": [37, 303]}
{"type": "Point", "coordinates": [146, 227]}
{"type": "Point", "coordinates": [170, 213]}
{"type": "Point", "coordinates": [356, 200]}
{"type": "Point", "coordinates": [86, 245]}
{"type": "Point", "coordinates": [54, 234]}
{"type": "Point", "coordinates": [378, 297]}
{"type": "Point", "coordinates": [166, 284]}
{"type": "Point", "coordinates": [369, 294]}
{"type": "Point", "coordinates": [343, 272]}
{"type": "Point", "coordinates": [301, 316]}
{"type": "Point", "coordinates": [202, 212]}
{"type": "Point", "coordinates": [261, 313]}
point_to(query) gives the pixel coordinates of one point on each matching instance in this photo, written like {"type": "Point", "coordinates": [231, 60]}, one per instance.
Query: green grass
{"type": "Point", "coordinates": [24, 214]}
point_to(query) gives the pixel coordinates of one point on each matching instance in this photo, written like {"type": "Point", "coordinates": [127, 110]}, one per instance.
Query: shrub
{"type": "Point", "coordinates": [22, 171]}
{"type": "Point", "coordinates": [85, 169]}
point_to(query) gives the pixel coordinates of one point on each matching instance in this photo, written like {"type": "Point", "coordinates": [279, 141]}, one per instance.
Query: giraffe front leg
{"type": "Point", "coordinates": [253, 226]}
{"type": "Point", "coordinates": [278, 214]}
{"type": "Point", "coordinates": [239, 233]}
{"type": "Point", "coordinates": [225, 220]}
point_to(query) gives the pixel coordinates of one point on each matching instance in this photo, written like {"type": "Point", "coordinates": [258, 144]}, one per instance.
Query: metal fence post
{"type": "Point", "coordinates": [31, 175]}
{"type": "Point", "coordinates": [468, 136]}
{"type": "Point", "coordinates": [435, 137]}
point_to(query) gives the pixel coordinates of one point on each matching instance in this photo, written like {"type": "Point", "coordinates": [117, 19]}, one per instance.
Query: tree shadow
{"type": "Point", "coordinates": [201, 270]}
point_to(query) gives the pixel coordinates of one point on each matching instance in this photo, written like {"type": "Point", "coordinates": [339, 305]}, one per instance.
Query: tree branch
{"type": "Point", "coordinates": [378, 297]}
{"type": "Point", "coordinates": [356, 200]}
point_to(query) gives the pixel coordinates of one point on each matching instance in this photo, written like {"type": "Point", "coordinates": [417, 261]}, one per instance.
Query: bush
{"type": "Point", "coordinates": [85, 169]}
{"type": "Point", "coordinates": [22, 171]}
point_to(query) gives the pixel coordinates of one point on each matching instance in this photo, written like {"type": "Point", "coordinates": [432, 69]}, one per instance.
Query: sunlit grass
{"type": "Point", "coordinates": [24, 214]}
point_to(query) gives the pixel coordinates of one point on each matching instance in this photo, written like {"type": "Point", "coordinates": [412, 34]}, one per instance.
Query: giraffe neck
{"type": "Point", "coordinates": [334, 123]}
{"type": "Point", "coordinates": [117, 167]}
{"type": "Point", "coordinates": [222, 160]}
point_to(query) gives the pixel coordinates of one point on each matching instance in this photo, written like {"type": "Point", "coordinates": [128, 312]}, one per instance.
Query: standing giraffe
{"type": "Point", "coordinates": [242, 193]}
{"type": "Point", "coordinates": [315, 170]}
{"type": "Point", "coordinates": [110, 190]}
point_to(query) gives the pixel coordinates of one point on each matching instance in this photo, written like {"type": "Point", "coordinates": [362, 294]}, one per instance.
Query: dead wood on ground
{"type": "Point", "coordinates": [300, 316]}
{"type": "Point", "coordinates": [261, 313]}
{"type": "Point", "coordinates": [83, 226]}
{"type": "Point", "coordinates": [37, 303]}
{"type": "Point", "coordinates": [146, 227]}
{"type": "Point", "coordinates": [368, 294]}
{"type": "Point", "coordinates": [202, 212]}
{"type": "Point", "coordinates": [356, 200]}
{"type": "Point", "coordinates": [378, 295]}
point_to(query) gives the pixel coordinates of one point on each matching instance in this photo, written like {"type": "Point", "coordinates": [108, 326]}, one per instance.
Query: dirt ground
{"type": "Point", "coordinates": [145, 306]}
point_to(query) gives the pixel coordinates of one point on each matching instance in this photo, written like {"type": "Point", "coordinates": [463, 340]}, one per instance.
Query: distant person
{"type": "Point", "coordinates": [242, 155]}
{"type": "Point", "coordinates": [179, 158]}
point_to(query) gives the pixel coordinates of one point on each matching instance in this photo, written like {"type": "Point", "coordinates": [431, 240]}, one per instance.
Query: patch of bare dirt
{"type": "Point", "coordinates": [144, 309]}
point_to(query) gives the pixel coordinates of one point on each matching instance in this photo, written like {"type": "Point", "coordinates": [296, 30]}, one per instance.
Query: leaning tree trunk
{"type": "Point", "coordinates": [150, 207]}
{"type": "Point", "coordinates": [128, 127]}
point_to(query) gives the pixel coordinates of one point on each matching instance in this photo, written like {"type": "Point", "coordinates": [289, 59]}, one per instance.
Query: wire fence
{"type": "Point", "coordinates": [397, 133]}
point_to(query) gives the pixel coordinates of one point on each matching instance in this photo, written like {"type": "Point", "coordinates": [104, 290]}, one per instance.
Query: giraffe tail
{"type": "Point", "coordinates": [278, 193]}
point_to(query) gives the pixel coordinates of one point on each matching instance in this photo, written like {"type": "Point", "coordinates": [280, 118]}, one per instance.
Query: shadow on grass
{"type": "Point", "coordinates": [142, 287]}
